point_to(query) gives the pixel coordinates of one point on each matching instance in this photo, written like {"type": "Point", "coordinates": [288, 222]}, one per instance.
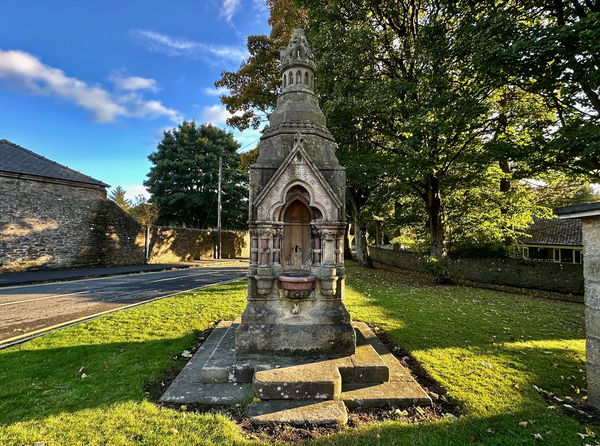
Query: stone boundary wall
{"type": "Point", "coordinates": [520, 273]}
{"type": "Point", "coordinates": [51, 224]}
{"type": "Point", "coordinates": [172, 245]}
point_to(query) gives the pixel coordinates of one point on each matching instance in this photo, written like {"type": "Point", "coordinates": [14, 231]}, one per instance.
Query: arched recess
{"type": "Point", "coordinates": [297, 190]}
{"type": "Point", "coordinates": [296, 250]}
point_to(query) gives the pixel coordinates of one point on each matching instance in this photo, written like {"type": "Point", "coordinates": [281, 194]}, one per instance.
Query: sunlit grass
{"type": "Point", "coordinates": [84, 385]}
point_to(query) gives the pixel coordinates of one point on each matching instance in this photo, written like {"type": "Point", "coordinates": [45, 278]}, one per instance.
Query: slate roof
{"type": "Point", "coordinates": [587, 207]}
{"type": "Point", "coordinates": [554, 231]}
{"type": "Point", "coordinates": [16, 159]}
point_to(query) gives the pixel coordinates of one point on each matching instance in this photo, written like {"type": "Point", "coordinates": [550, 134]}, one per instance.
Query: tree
{"type": "Point", "coordinates": [183, 179]}
{"type": "Point", "coordinates": [248, 158]}
{"type": "Point", "coordinates": [559, 190]}
{"type": "Point", "coordinates": [401, 79]}
{"type": "Point", "coordinates": [550, 49]}
{"type": "Point", "coordinates": [118, 196]}
{"type": "Point", "coordinates": [145, 212]}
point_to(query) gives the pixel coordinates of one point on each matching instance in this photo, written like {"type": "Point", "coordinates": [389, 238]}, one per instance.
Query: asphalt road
{"type": "Point", "coordinates": [28, 308]}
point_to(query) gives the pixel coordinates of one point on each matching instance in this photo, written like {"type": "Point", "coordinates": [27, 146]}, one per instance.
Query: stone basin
{"type": "Point", "coordinates": [296, 285]}
{"type": "Point", "coordinates": [296, 282]}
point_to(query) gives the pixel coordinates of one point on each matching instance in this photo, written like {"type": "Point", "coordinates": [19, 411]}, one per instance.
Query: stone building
{"type": "Point", "coordinates": [52, 216]}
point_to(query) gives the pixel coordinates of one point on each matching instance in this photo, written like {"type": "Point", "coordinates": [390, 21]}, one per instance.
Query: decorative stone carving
{"type": "Point", "coordinates": [297, 220]}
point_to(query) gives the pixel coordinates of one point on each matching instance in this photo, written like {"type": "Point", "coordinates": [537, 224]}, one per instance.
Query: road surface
{"type": "Point", "coordinates": [30, 308]}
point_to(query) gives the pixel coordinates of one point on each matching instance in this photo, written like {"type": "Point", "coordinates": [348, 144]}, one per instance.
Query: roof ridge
{"type": "Point", "coordinates": [37, 155]}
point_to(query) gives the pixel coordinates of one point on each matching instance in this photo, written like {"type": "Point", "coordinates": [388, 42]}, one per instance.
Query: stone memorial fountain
{"type": "Point", "coordinates": [295, 349]}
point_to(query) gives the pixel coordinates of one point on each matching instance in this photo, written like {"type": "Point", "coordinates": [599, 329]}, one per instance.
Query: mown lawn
{"type": "Point", "coordinates": [84, 385]}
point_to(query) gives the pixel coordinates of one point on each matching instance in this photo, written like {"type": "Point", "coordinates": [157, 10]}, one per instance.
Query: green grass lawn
{"type": "Point", "coordinates": [84, 385]}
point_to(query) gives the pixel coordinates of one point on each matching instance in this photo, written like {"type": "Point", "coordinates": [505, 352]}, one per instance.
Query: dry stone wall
{"type": "Point", "coordinates": [521, 273]}
{"type": "Point", "coordinates": [46, 223]}
{"type": "Point", "coordinates": [171, 245]}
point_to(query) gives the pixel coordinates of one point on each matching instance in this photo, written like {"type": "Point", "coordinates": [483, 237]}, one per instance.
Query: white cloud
{"type": "Point", "coordinates": [133, 83]}
{"type": "Point", "coordinates": [29, 72]}
{"type": "Point", "coordinates": [215, 91]}
{"type": "Point", "coordinates": [175, 46]}
{"type": "Point", "coordinates": [228, 9]}
{"type": "Point", "coordinates": [134, 190]}
{"type": "Point", "coordinates": [215, 114]}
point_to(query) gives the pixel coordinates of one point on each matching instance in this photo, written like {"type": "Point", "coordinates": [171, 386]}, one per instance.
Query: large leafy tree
{"type": "Point", "coordinates": [549, 49]}
{"type": "Point", "coordinates": [183, 179]}
{"type": "Point", "coordinates": [400, 76]}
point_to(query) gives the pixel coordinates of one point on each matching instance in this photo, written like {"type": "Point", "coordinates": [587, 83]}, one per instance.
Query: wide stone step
{"type": "Point", "coordinates": [398, 394]}
{"type": "Point", "coordinates": [298, 413]}
{"type": "Point", "coordinates": [314, 381]}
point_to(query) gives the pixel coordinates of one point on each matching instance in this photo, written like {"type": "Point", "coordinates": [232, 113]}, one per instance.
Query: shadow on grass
{"type": "Point", "coordinates": [42, 382]}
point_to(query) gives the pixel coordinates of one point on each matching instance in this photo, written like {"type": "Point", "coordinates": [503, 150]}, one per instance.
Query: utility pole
{"type": "Point", "coordinates": [219, 207]}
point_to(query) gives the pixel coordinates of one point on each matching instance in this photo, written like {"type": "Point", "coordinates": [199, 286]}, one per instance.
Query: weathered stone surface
{"type": "Point", "coordinates": [522, 273]}
{"type": "Point", "coordinates": [297, 225]}
{"type": "Point", "coordinates": [368, 365]}
{"type": "Point", "coordinates": [591, 234]}
{"type": "Point", "coordinates": [592, 322]}
{"type": "Point", "coordinates": [592, 293]}
{"type": "Point", "coordinates": [315, 381]}
{"type": "Point", "coordinates": [298, 413]}
{"type": "Point", "coordinates": [188, 387]}
{"type": "Point", "coordinates": [396, 371]}
{"type": "Point", "coordinates": [54, 224]}
{"type": "Point", "coordinates": [399, 394]}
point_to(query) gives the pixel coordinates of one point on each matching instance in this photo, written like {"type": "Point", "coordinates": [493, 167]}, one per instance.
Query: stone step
{"type": "Point", "coordinates": [314, 381]}
{"type": "Point", "coordinates": [298, 413]}
{"type": "Point", "coordinates": [397, 394]}
{"type": "Point", "coordinates": [219, 367]}
{"type": "Point", "coordinates": [368, 366]}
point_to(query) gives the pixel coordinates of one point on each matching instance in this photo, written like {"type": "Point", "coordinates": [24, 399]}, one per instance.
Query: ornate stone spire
{"type": "Point", "coordinates": [297, 63]}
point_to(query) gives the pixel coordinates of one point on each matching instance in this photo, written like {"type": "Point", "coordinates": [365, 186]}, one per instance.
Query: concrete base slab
{"type": "Point", "coordinates": [298, 413]}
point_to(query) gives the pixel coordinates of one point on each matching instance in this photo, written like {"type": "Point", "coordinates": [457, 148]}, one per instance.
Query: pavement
{"type": "Point", "coordinates": [28, 310]}
{"type": "Point", "coordinates": [60, 275]}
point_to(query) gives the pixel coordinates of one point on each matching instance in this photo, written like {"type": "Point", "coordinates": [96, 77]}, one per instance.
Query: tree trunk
{"type": "Point", "coordinates": [347, 249]}
{"type": "Point", "coordinates": [360, 238]}
{"type": "Point", "coordinates": [378, 233]}
{"type": "Point", "coordinates": [505, 186]}
{"type": "Point", "coordinates": [435, 223]}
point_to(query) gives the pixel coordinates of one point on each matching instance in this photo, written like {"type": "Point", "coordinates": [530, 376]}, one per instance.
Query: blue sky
{"type": "Point", "coordinates": [92, 84]}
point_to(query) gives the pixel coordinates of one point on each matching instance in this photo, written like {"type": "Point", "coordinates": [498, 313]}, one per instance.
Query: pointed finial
{"type": "Point", "coordinates": [297, 52]}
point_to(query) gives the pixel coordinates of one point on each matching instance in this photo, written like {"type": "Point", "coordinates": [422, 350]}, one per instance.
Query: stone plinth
{"type": "Point", "coordinates": [295, 390]}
